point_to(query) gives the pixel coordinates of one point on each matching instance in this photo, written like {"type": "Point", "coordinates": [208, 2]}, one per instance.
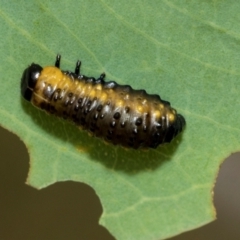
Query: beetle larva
{"type": "Point", "coordinates": [117, 113]}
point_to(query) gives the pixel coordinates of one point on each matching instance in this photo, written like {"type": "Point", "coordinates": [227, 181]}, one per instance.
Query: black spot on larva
{"type": "Point", "coordinates": [78, 98]}
{"type": "Point", "coordinates": [89, 103]}
{"type": "Point", "coordinates": [156, 136]}
{"type": "Point", "coordinates": [60, 95]}
{"type": "Point", "coordinates": [51, 109]}
{"type": "Point", "coordinates": [76, 107]}
{"type": "Point", "coordinates": [117, 115]}
{"type": "Point", "coordinates": [48, 91]}
{"type": "Point", "coordinates": [56, 95]}
{"type": "Point", "coordinates": [85, 111]}
{"type": "Point", "coordinates": [66, 101]}
{"type": "Point", "coordinates": [99, 108]}
{"type": "Point", "coordinates": [135, 131]}
{"type": "Point", "coordinates": [123, 124]}
{"type": "Point", "coordinates": [131, 141]}
{"type": "Point", "coordinates": [95, 116]}
{"type": "Point", "coordinates": [138, 121]}
{"type": "Point", "coordinates": [109, 134]}
{"type": "Point", "coordinates": [72, 100]}
{"type": "Point", "coordinates": [127, 109]}
{"type": "Point", "coordinates": [158, 125]}
{"type": "Point", "coordinates": [113, 124]}
{"type": "Point", "coordinates": [92, 127]}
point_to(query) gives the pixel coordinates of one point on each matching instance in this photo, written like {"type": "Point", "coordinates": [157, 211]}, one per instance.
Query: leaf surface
{"type": "Point", "coordinates": [186, 52]}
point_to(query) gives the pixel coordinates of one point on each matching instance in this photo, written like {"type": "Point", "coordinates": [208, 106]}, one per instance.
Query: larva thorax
{"type": "Point", "coordinates": [114, 112]}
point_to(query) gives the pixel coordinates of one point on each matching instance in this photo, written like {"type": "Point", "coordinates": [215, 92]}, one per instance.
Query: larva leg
{"type": "Point", "coordinates": [77, 68]}
{"type": "Point", "coordinates": [102, 76]}
{"type": "Point", "coordinates": [58, 59]}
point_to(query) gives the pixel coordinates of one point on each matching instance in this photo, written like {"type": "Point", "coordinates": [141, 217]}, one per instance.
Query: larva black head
{"type": "Point", "coordinates": [29, 79]}
{"type": "Point", "coordinates": [176, 128]}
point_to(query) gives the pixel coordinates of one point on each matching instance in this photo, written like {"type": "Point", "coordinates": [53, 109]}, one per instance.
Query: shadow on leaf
{"type": "Point", "coordinates": [116, 158]}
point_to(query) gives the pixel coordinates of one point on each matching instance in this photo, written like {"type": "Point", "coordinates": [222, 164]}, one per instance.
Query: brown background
{"type": "Point", "coordinates": [71, 210]}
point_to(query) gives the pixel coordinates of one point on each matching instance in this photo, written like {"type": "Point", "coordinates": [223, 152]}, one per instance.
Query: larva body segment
{"type": "Point", "coordinates": [117, 113]}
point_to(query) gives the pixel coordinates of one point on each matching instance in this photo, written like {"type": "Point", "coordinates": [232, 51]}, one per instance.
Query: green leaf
{"type": "Point", "coordinates": [187, 52]}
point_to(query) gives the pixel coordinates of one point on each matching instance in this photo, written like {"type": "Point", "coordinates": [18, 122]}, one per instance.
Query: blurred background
{"type": "Point", "coordinates": [71, 210]}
